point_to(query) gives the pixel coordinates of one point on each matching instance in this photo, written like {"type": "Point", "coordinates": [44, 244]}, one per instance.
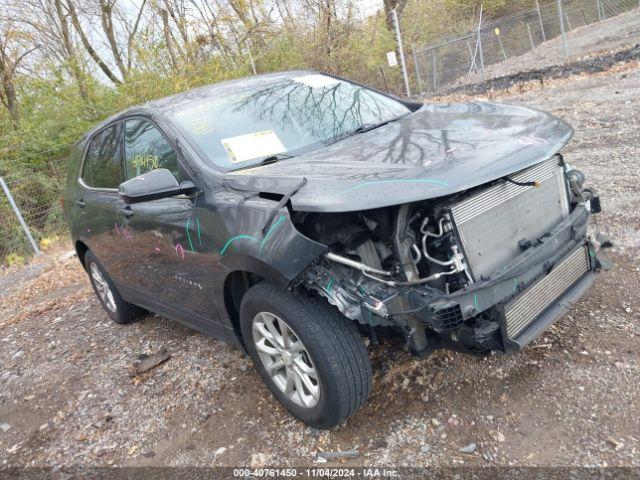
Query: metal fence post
{"type": "Point", "coordinates": [384, 78]}
{"type": "Point", "coordinates": [472, 59]}
{"type": "Point", "coordinates": [544, 37]}
{"type": "Point", "coordinates": [504, 54]}
{"type": "Point", "coordinates": [599, 9]}
{"type": "Point", "coordinates": [435, 71]}
{"type": "Point", "coordinates": [481, 54]}
{"type": "Point", "coordinates": [562, 32]}
{"type": "Point", "coordinates": [568, 22]}
{"type": "Point", "coordinates": [33, 243]}
{"type": "Point", "coordinates": [401, 51]}
{"type": "Point", "coordinates": [417, 66]}
{"type": "Point", "coordinates": [533, 45]}
{"type": "Point", "coordinates": [253, 65]}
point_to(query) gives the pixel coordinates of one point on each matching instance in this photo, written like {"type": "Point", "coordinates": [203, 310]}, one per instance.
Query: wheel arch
{"type": "Point", "coordinates": [238, 281]}
{"type": "Point", "coordinates": [81, 251]}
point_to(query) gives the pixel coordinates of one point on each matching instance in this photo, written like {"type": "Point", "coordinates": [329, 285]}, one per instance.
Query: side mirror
{"type": "Point", "coordinates": [159, 183]}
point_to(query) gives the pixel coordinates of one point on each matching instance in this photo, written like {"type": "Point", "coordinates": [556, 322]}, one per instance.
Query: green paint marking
{"type": "Point", "coordinates": [330, 285]}
{"type": "Point", "coordinates": [198, 226]}
{"type": "Point", "coordinates": [515, 281]}
{"type": "Point", "coordinates": [193, 250]}
{"type": "Point", "coordinates": [231, 240]}
{"type": "Point", "coordinates": [475, 302]}
{"type": "Point", "coordinates": [404, 180]}
{"type": "Point", "coordinates": [270, 231]}
{"type": "Point", "coordinates": [250, 237]}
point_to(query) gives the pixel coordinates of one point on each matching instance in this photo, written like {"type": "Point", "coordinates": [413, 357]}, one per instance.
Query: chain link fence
{"type": "Point", "coordinates": [467, 58]}
{"type": "Point", "coordinates": [30, 213]}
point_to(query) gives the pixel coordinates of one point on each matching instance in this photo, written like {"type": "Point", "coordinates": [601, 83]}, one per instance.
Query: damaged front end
{"type": "Point", "coordinates": [485, 269]}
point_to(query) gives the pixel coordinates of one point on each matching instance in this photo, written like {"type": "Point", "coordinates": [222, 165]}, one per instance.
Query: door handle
{"type": "Point", "coordinates": [127, 212]}
{"type": "Point", "coordinates": [79, 203]}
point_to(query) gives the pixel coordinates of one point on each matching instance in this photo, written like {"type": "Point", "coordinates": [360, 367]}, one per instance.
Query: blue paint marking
{"type": "Point", "coordinates": [515, 281]}
{"type": "Point", "coordinates": [475, 302]}
{"type": "Point", "coordinates": [270, 231]}
{"type": "Point", "coordinates": [231, 240]}
{"type": "Point", "coordinates": [406, 180]}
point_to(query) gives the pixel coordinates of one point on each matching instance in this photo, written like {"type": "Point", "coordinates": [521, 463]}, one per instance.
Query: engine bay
{"type": "Point", "coordinates": [407, 266]}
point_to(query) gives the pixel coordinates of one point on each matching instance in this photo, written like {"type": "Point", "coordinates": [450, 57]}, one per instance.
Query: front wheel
{"type": "Point", "coordinates": [311, 357]}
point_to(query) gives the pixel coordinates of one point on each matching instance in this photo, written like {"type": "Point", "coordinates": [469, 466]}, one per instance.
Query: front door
{"type": "Point", "coordinates": [166, 261]}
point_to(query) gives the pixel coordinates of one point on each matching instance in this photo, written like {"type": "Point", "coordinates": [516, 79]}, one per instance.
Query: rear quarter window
{"type": "Point", "coordinates": [103, 162]}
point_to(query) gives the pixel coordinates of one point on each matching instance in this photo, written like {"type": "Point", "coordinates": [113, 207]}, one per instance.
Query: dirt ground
{"type": "Point", "coordinates": [570, 399]}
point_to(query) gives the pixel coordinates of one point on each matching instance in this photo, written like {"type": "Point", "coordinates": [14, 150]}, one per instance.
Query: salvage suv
{"type": "Point", "coordinates": [291, 214]}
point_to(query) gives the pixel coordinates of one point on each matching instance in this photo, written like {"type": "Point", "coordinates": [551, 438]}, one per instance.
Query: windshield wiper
{"type": "Point", "coordinates": [267, 160]}
{"type": "Point", "coordinates": [365, 127]}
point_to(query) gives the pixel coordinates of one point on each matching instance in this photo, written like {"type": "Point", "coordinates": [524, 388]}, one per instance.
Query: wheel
{"type": "Point", "coordinates": [110, 299]}
{"type": "Point", "coordinates": [311, 357]}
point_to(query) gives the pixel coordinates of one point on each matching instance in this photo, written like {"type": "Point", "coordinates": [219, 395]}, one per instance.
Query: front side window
{"type": "Point", "coordinates": [240, 126]}
{"type": "Point", "coordinates": [146, 149]}
{"type": "Point", "coordinates": [102, 165]}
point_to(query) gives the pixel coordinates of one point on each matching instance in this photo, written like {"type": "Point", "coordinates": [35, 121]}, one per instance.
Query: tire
{"type": "Point", "coordinates": [110, 299]}
{"type": "Point", "coordinates": [332, 349]}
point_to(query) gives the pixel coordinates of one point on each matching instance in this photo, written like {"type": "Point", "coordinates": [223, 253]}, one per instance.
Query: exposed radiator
{"type": "Point", "coordinates": [526, 308]}
{"type": "Point", "coordinates": [493, 221]}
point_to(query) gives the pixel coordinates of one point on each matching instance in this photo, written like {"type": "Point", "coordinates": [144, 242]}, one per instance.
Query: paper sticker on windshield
{"type": "Point", "coordinates": [315, 80]}
{"type": "Point", "coordinates": [252, 145]}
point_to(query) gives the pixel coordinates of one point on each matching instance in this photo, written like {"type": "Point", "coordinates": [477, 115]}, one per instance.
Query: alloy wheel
{"type": "Point", "coordinates": [286, 359]}
{"type": "Point", "coordinates": [102, 287]}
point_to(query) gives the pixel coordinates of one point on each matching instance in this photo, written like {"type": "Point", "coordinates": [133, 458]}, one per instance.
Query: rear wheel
{"type": "Point", "coordinates": [108, 295]}
{"type": "Point", "coordinates": [311, 357]}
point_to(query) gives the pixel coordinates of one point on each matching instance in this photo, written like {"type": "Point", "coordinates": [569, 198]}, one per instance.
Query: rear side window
{"type": "Point", "coordinates": [102, 164]}
{"type": "Point", "coordinates": [146, 149]}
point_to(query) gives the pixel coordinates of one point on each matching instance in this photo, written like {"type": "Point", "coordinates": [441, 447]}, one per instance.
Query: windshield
{"type": "Point", "coordinates": [287, 116]}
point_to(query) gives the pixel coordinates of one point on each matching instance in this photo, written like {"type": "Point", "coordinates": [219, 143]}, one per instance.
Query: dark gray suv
{"type": "Point", "coordinates": [292, 214]}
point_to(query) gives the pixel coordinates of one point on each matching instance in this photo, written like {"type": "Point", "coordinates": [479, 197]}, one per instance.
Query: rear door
{"type": "Point", "coordinates": [167, 261]}
{"type": "Point", "coordinates": [94, 205]}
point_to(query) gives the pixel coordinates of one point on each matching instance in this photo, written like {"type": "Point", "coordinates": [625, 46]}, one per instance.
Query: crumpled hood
{"type": "Point", "coordinates": [436, 151]}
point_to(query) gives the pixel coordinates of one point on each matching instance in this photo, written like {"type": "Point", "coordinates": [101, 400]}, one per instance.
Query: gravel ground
{"type": "Point", "coordinates": [570, 399]}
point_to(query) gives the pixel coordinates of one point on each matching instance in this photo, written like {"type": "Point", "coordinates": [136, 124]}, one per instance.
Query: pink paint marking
{"type": "Point", "coordinates": [180, 250]}
{"type": "Point", "coordinates": [451, 150]}
{"type": "Point", "coordinates": [117, 228]}
{"type": "Point", "coordinates": [127, 233]}
{"type": "Point", "coordinates": [157, 249]}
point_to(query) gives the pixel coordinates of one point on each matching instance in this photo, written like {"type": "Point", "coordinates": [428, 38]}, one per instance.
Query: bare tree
{"type": "Point", "coordinates": [167, 37]}
{"type": "Point", "coordinates": [14, 48]}
{"type": "Point", "coordinates": [69, 50]}
{"type": "Point", "coordinates": [389, 6]}
{"type": "Point", "coordinates": [75, 20]}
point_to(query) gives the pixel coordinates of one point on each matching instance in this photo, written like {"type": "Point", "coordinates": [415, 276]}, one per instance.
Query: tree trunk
{"type": "Point", "coordinates": [167, 38]}
{"type": "Point", "coordinates": [106, 17]}
{"type": "Point", "coordinates": [11, 102]}
{"type": "Point", "coordinates": [74, 66]}
{"type": "Point", "coordinates": [389, 5]}
{"type": "Point", "coordinates": [87, 45]}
